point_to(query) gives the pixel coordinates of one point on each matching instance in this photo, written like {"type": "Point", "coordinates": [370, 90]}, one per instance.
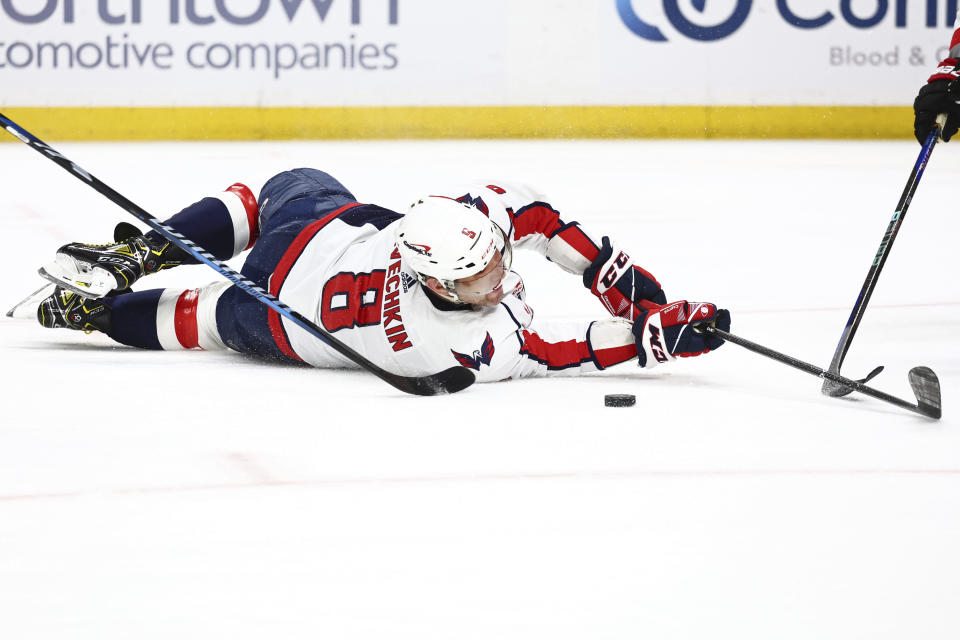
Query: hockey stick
{"type": "Point", "coordinates": [923, 381]}
{"type": "Point", "coordinates": [447, 381]}
{"type": "Point", "coordinates": [830, 387]}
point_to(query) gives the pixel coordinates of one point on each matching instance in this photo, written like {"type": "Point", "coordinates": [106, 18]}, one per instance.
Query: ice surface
{"type": "Point", "coordinates": [200, 495]}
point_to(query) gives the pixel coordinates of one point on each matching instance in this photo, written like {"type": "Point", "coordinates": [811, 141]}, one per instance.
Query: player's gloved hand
{"type": "Point", "coordinates": [667, 333]}
{"type": "Point", "coordinates": [939, 95]}
{"type": "Point", "coordinates": [625, 289]}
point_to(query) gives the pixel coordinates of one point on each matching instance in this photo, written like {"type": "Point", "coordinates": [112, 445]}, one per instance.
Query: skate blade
{"type": "Point", "coordinates": [27, 308]}
{"type": "Point", "coordinates": [79, 277]}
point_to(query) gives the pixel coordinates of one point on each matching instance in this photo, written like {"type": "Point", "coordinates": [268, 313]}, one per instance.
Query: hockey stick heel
{"type": "Point", "coordinates": [836, 390]}
{"type": "Point", "coordinates": [923, 381]}
{"type": "Point", "coordinates": [449, 380]}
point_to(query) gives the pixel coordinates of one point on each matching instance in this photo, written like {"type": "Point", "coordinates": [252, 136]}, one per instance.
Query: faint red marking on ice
{"type": "Point", "coordinates": [252, 468]}
{"type": "Point", "coordinates": [439, 479]}
{"type": "Point", "coordinates": [873, 306]}
{"type": "Point", "coordinates": [37, 496]}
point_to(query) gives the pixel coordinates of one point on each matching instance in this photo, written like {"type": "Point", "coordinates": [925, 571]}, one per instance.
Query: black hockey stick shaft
{"type": "Point", "coordinates": [448, 381]}
{"type": "Point", "coordinates": [871, 281]}
{"type": "Point", "coordinates": [873, 274]}
{"type": "Point", "coordinates": [930, 410]}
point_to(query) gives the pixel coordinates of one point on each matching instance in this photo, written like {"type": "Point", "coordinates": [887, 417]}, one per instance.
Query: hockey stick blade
{"type": "Point", "coordinates": [447, 381]}
{"type": "Point", "coordinates": [922, 380]}
{"type": "Point", "coordinates": [926, 386]}
{"type": "Point", "coordinates": [835, 390]}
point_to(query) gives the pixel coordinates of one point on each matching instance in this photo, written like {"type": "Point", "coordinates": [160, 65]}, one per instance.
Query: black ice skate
{"type": "Point", "coordinates": [94, 270]}
{"type": "Point", "coordinates": [67, 310]}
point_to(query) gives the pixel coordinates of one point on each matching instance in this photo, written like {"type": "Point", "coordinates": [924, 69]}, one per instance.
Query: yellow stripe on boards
{"type": "Point", "coordinates": [358, 123]}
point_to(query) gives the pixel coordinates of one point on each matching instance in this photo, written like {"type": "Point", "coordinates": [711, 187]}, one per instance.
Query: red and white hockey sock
{"type": "Point", "coordinates": [188, 319]}
{"type": "Point", "coordinates": [224, 224]}
{"type": "Point", "coordinates": [243, 214]}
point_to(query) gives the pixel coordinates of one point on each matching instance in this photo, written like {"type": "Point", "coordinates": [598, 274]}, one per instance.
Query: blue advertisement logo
{"type": "Point", "coordinates": [682, 24]}
{"type": "Point", "coordinates": [864, 18]}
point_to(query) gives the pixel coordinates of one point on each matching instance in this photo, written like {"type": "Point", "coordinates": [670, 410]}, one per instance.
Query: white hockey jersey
{"type": "Point", "coordinates": [352, 282]}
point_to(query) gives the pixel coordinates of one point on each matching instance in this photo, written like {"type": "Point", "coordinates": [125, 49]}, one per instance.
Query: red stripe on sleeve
{"type": "Point", "coordinates": [283, 269]}
{"type": "Point", "coordinates": [576, 238]}
{"type": "Point", "coordinates": [185, 319]}
{"type": "Point", "coordinates": [615, 355]}
{"type": "Point", "coordinates": [556, 355]}
{"type": "Point", "coordinates": [536, 218]}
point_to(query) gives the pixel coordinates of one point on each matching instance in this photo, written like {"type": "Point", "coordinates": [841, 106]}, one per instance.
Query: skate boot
{"type": "Point", "coordinates": [94, 270]}
{"type": "Point", "coordinates": [68, 310]}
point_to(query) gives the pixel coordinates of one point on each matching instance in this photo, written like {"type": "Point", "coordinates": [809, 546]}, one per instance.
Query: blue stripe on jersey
{"type": "Point", "coordinates": [517, 322]}
{"type": "Point", "coordinates": [593, 355]}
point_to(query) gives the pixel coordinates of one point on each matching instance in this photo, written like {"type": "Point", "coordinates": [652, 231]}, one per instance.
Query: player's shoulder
{"type": "Point", "coordinates": [503, 193]}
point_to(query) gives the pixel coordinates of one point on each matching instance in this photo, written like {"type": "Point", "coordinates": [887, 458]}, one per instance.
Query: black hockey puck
{"type": "Point", "coordinates": [619, 400]}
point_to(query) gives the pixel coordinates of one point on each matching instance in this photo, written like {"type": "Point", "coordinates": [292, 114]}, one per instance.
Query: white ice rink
{"type": "Point", "coordinates": [203, 495]}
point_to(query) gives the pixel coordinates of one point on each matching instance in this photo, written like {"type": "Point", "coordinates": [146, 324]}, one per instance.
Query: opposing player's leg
{"type": "Point", "coordinates": [225, 224]}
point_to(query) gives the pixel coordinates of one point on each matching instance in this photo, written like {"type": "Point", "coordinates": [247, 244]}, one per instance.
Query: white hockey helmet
{"type": "Point", "coordinates": [442, 238]}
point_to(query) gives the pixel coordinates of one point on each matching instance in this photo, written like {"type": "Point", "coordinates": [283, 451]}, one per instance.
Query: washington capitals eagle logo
{"type": "Point", "coordinates": [476, 202]}
{"type": "Point", "coordinates": [483, 355]}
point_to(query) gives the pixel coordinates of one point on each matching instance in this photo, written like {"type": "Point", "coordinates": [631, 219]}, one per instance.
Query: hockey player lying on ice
{"type": "Point", "coordinates": [414, 293]}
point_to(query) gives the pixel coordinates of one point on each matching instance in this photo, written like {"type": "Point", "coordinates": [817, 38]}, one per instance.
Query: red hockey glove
{"type": "Point", "coordinates": [939, 95]}
{"type": "Point", "coordinates": [666, 333]}
{"type": "Point", "coordinates": [625, 289]}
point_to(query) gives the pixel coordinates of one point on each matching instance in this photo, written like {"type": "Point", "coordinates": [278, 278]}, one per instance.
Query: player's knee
{"type": "Point", "coordinates": [300, 183]}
